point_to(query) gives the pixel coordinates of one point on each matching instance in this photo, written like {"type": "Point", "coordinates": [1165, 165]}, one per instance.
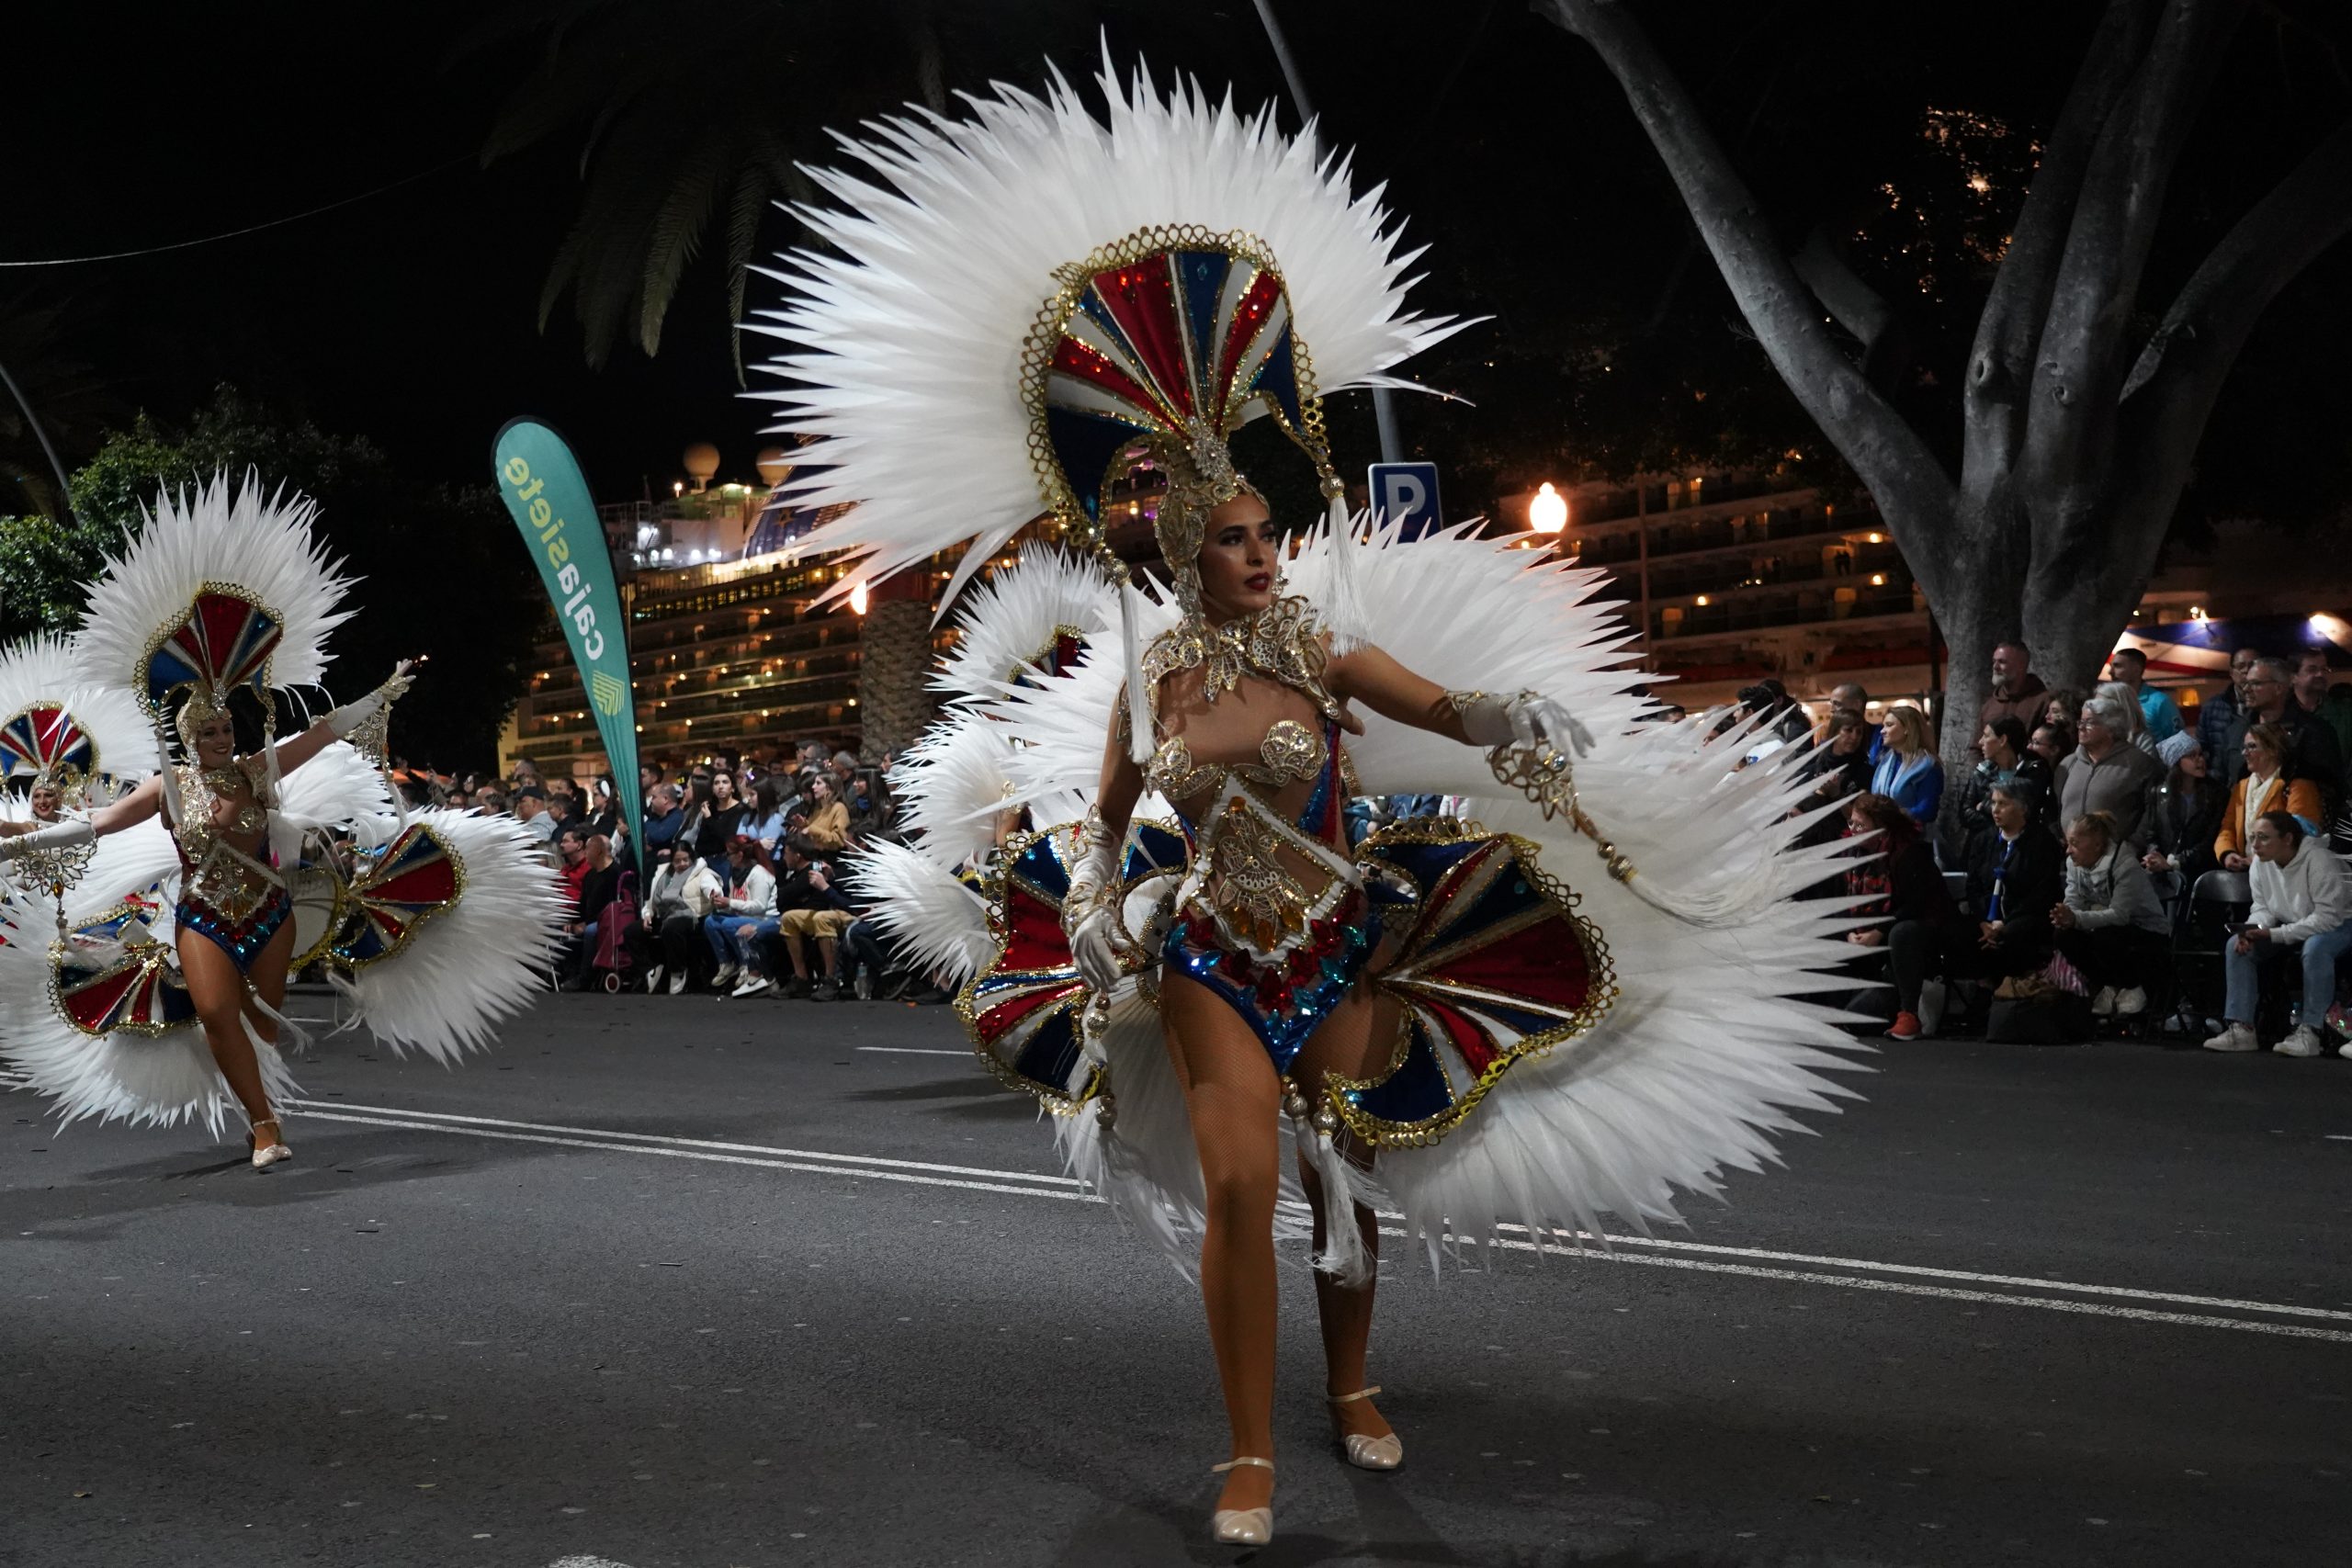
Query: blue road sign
{"type": "Point", "coordinates": [1405, 493]}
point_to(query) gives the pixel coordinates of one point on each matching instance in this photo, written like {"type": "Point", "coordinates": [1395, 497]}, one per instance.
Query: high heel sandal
{"type": "Point", "coordinates": [265, 1158]}
{"type": "Point", "coordinates": [1242, 1526]}
{"type": "Point", "coordinates": [1367, 1453]}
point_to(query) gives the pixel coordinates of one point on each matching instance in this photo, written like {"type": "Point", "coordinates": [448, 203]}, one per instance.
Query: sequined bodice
{"type": "Point", "coordinates": [222, 831]}
{"type": "Point", "coordinates": [1289, 753]}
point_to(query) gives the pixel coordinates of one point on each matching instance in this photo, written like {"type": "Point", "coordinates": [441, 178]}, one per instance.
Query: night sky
{"type": "Point", "coordinates": [410, 317]}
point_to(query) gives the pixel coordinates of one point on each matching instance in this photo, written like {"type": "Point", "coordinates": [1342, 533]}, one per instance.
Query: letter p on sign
{"type": "Point", "coordinates": [1406, 494]}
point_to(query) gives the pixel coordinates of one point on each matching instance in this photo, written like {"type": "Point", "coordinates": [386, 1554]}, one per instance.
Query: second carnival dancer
{"type": "Point", "coordinates": [1034, 310]}
{"type": "Point", "coordinates": [182, 905]}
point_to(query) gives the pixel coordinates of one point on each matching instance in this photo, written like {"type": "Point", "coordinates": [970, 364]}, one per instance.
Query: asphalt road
{"type": "Point", "coordinates": [671, 1281]}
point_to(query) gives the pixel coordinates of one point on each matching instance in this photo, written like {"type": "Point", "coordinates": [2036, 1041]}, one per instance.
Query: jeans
{"type": "Point", "coordinates": [2319, 956]}
{"type": "Point", "coordinates": [734, 938]}
{"type": "Point", "coordinates": [861, 944]}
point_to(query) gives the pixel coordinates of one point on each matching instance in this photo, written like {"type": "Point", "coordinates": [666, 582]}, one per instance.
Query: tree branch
{"type": "Point", "coordinates": [2000, 363]}
{"type": "Point", "coordinates": [1857, 306]}
{"type": "Point", "coordinates": [1914, 493]}
{"type": "Point", "coordinates": [2069, 421]}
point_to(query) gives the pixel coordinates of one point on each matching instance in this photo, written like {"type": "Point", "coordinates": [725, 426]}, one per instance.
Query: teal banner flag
{"type": "Point", "coordinates": [544, 491]}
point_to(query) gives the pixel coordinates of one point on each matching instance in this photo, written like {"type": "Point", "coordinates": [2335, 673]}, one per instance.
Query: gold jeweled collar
{"type": "Point", "coordinates": [1283, 642]}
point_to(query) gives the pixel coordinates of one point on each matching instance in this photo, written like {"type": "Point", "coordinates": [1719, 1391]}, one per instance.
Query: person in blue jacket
{"type": "Point", "coordinates": [1907, 771]}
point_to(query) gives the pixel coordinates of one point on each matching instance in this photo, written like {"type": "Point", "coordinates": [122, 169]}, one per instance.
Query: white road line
{"type": "Point", "coordinates": [913, 1051]}
{"type": "Point", "coordinates": [1067, 1188]}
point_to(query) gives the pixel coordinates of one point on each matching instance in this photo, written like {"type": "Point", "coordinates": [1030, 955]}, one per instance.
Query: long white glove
{"type": "Point", "coordinates": [1525, 722]}
{"type": "Point", "coordinates": [1088, 912]}
{"type": "Point", "coordinates": [352, 715]}
{"type": "Point", "coordinates": [74, 830]}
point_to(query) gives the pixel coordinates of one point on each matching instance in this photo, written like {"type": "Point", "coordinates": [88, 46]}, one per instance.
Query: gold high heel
{"type": "Point", "coordinates": [1368, 1453]}
{"type": "Point", "coordinates": [1242, 1526]}
{"type": "Point", "coordinates": [265, 1158]}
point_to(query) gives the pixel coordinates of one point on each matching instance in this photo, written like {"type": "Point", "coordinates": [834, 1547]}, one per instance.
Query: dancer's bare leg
{"type": "Point", "coordinates": [1354, 1042]}
{"type": "Point", "coordinates": [218, 991]}
{"type": "Point", "coordinates": [1234, 1099]}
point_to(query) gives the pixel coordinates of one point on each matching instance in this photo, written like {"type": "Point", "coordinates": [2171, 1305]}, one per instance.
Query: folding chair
{"type": "Point", "coordinates": [2218, 900]}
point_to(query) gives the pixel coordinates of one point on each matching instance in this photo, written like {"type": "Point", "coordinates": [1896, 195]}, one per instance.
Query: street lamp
{"type": "Point", "coordinates": [1548, 513]}
{"type": "Point", "coordinates": [857, 600]}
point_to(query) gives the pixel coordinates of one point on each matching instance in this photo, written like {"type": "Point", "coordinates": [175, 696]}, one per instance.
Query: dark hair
{"type": "Point", "coordinates": [804, 846]}
{"type": "Point", "coordinates": [531, 792]}
{"type": "Point", "coordinates": [573, 830]}
{"type": "Point", "coordinates": [752, 847]}
{"type": "Point", "coordinates": [2275, 739]}
{"type": "Point", "coordinates": [2012, 730]}
{"type": "Point", "coordinates": [1894, 824]}
{"type": "Point", "coordinates": [769, 794]}
{"type": "Point", "coordinates": [2139, 653]}
{"type": "Point", "coordinates": [1841, 720]}
{"type": "Point", "coordinates": [2012, 642]}
{"type": "Point", "coordinates": [680, 847]}
{"type": "Point", "coordinates": [2284, 822]}
{"type": "Point", "coordinates": [2025, 791]}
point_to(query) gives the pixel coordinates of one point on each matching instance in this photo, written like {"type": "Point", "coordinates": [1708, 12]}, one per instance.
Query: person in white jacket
{"type": "Point", "coordinates": [2112, 926]}
{"type": "Point", "coordinates": [684, 892]}
{"type": "Point", "coordinates": [743, 919]}
{"type": "Point", "coordinates": [2302, 897]}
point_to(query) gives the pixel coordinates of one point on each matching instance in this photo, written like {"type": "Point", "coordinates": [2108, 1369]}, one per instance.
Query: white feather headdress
{"type": "Point", "coordinates": [54, 716]}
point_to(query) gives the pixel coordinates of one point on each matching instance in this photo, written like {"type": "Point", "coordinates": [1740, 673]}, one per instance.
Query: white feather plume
{"type": "Point", "coordinates": [943, 924]}
{"type": "Point", "coordinates": [951, 784]}
{"type": "Point", "coordinates": [907, 319]}
{"type": "Point", "coordinates": [260, 541]}
{"type": "Point", "coordinates": [1007, 621]}
{"type": "Point", "coordinates": [45, 669]}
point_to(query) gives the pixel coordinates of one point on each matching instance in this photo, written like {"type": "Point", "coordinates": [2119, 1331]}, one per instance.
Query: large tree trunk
{"type": "Point", "coordinates": [894, 697]}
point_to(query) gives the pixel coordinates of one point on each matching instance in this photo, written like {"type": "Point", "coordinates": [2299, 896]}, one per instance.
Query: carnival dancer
{"type": "Point", "coordinates": [1190, 951]}
{"type": "Point", "coordinates": [218, 595]}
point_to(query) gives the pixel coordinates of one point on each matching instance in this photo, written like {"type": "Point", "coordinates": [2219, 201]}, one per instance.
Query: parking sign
{"type": "Point", "coordinates": [1405, 493]}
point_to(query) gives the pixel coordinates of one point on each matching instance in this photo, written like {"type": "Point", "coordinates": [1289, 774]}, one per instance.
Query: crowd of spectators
{"type": "Point", "coordinates": [2127, 858]}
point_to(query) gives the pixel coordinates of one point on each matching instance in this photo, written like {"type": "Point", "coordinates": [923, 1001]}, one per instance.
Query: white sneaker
{"type": "Point", "coordinates": [725, 978]}
{"type": "Point", "coordinates": [653, 979]}
{"type": "Point", "coordinates": [2234, 1037]}
{"type": "Point", "coordinates": [2103, 1004]}
{"type": "Point", "coordinates": [2303, 1042]}
{"type": "Point", "coordinates": [2345, 1050]}
{"type": "Point", "coordinates": [677, 982]}
{"type": "Point", "coordinates": [1933, 995]}
{"type": "Point", "coordinates": [752, 987]}
{"type": "Point", "coordinates": [2130, 1003]}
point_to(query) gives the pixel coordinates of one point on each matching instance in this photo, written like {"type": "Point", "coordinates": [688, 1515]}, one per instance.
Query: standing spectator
{"type": "Point", "coordinates": [722, 822]}
{"type": "Point", "coordinates": [2218, 713]}
{"type": "Point", "coordinates": [2064, 706]}
{"type": "Point", "coordinates": [2185, 816]}
{"type": "Point", "coordinates": [2111, 925]}
{"type": "Point", "coordinates": [744, 918]}
{"type": "Point", "coordinates": [2107, 774]}
{"type": "Point", "coordinates": [1849, 697]}
{"type": "Point", "coordinates": [2310, 751]}
{"type": "Point", "coordinates": [685, 891]}
{"type": "Point", "coordinates": [2013, 883]}
{"type": "Point", "coordinates": [661, 820]}
{"type": "Point", "coordinates": [2331, 706]}
{"type": "Point", "coordinates": [828, 824]}
{"type": "Point", "coordinates": [810, 908]}
{"type": "Point", "coordinates": [2007, 753]}
{"type": "Point", "coordinates": [1908, 771]}
{"type": "Point", "coordinates": [2268, 783]}
{"type": "Point", "coordinates": [2135, 727]}
{"type": "Point", "coordinates": [600, 881]}
{"type": "Point", "coordinates": [2158, 713]}
{"type": "Point", "coordinates": [531, 811]}
{"type": "Point", "coordinates": [1841, 761]}
{"type": "Point", "coordinates": [2053, 743]}
{"type": "Point", "coordinates": [1899, 884]}
{"type": "Point", "coordinates": [2018, 692]}
{"type": "Point", "coordinates": [2302, 900]}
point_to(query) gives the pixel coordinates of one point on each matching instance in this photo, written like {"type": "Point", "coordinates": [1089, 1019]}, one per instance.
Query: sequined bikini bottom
{"type": "Point", "coordinates": [243, 939]}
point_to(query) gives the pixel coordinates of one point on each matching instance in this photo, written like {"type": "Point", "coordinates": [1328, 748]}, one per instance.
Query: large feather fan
{"type": "Point", "coordinates": [45, 670]}
{"type": "Point", "coordinates": [909, 316]}
{"type": "Point", "coordinates": [1014, 622]}
{"type": "Point", "coordinates": [258, 541]}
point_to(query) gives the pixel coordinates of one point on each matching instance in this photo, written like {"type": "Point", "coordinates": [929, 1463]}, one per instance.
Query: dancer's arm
{"type": "Point", "coordinates": [1366, 674]}
{"type": "Point", "coordinates": [129, 812]}
{"type": "Point", "coordinates": [1089, 912]}
{"type": "Point", "coordinates": [339, 724]}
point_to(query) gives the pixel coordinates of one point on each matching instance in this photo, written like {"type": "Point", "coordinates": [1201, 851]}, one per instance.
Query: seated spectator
{"type": "Point", "coordinates": [2268, 783]}
{"type": "Point", "coordinates": [810, 909]}
{"type": "Point", "coordinates": [490, 801]}
{"type": "Point", "coordinates": [2111, 925]}
{"type": "Point", "coordinates": [685, 891]}
{"type": "Point", "coordinates": [1842, 760]}
{"type": "Point", "coordinates": [744, 917]}
{"type": "Point", "coordinates": [2217, 714]}
{"type": "Point", "coordinates": [2063, 707]}
{"type": "Point", "coordinates": [2185, 814]}
{"type": "Point", "coordinates": [602, 807]}
{"type": "Point", "coordinates": [764, 820]}
{"type": "Point", "coordinates": [2107, 773]}
{"type": "Point", "coordinates": [2308, 745]}
{"type": "Point", "coordinates": [2053, 743]}
{"type": "Point", "coordinates": [1909, 773]}
{"type": "Point", "coordinates": [662, 820]}
{"type": "Point", "coordinates": [721, 821]}
{"type": "Point", "coordinates": [2331, 705]}
{"type": "Point", "coordinates": [594, 877]}
{"type": "Point", "coordinates": [2159, 714]}
{"type": "Point", "coordinates": [2134, 728]}
{"type": "Point", "coordinates": [2014, 881]}
{"type": "Point", "coordinates": [828, 824]}
{"type": "Point", "coordinates": [1900, 885]}
{"type": "Point", "coordinates": [2007, 750]}
{"type": "Point", "coordinates": [531, 811]}
{"type": "Point", "coordinates": [2302, 904]}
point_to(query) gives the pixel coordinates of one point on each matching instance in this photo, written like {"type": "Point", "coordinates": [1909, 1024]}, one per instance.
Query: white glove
{"type": "Point", "coordinates": [60, 835]}
{"type": "Point", "coordinates": [1088, 912]}
{"type": "Point", "coordinates": [352, 715]}
{"type": "Point", "coordinates": [1525, 722]}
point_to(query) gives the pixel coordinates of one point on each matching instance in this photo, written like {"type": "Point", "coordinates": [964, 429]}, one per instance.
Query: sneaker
{"type": "Point", "coordinates": [930, 997]}
{"type": "Point", "coordinates": [1933, 995]}
{"type": "Point", "coordinates": [677, 982]}
{"type": "Point", "coordinates": [1907, 1027]}
{"type": "Point", "coordinates": [2303, 1042]}
{"type": "Point", "coordinates": [653, 979]}
{"type": "Point", "coordinates": [725, 978]}
{"type": "Point", "coordinates": [752, 986]}
{"type": "Point", "coordinates": [797, 986]}
{"type": "Point", "coordinates": [828, 990]}
{"type": "Point", "coordinates": [2345, 1050]}
{"type": "Point", "coordinates": [2130, 1003]}
{"type": "Point", "coordinates": [2103, 1004]}
{"type": "Point", "coordinates": [2234, 1037]}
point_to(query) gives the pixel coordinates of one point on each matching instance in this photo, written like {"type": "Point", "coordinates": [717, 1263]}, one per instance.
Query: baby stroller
{"type": "Point", "coordinates": [617, 960]}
